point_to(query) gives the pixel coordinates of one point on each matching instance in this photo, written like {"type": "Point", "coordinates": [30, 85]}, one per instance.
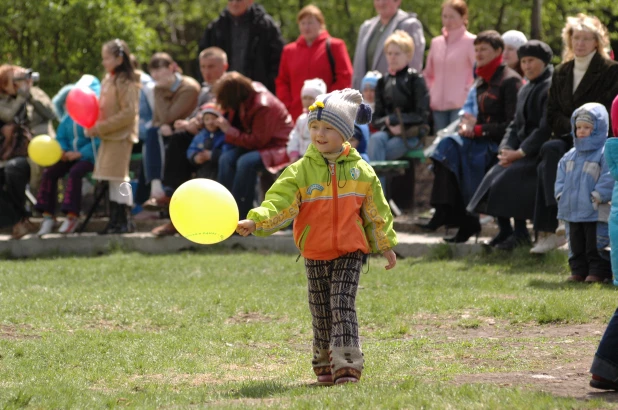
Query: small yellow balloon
{"type": "Point", "coordinates": [204, 211]}
{"type": "Point", "coordinates": [44, 150]}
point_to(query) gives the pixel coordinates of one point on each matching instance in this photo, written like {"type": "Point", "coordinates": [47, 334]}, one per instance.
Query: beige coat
{"type": "Point", "coordinates": [39, 107]}
{"type": "Point", "coordinates": [175, 105]}
{"type": "Point", "coordinates": [117, 128]}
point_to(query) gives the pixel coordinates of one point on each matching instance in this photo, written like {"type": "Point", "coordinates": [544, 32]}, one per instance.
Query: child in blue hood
{"type": "Point", "coordinates": [77, 161]}
{"type": "Point", "coordinates": [583, 189]}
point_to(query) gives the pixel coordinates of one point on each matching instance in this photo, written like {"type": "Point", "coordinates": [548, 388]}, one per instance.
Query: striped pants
{"type": "Point", "coordinates": [332, 295]}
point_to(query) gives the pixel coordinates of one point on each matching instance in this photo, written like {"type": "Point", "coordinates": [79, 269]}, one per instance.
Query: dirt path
{"type": "Point", "coordinates": [564, 374]}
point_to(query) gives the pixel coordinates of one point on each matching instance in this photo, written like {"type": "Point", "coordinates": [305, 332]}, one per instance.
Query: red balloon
{"type": "Point", "coordinates": [83, 106]}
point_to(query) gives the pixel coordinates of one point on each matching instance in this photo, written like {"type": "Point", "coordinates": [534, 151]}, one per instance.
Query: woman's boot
{"type": "Point", "coordinates": [470, 227]}
{"type": "Point", "coordinates": [112, 224]}
{"type": "Point", "coordinates": [125, 221]}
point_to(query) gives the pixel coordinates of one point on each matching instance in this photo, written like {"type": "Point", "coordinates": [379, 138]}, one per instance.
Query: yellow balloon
{"type": "Point", "coordinates": [204, 211]}
{"type": "Point", "coordinates": [44, 150]}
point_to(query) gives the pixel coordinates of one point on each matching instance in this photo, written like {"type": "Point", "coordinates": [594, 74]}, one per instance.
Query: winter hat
{"type": "Point", "coordinates": [584, 116]}
{"type": "Point", "coordinates": [535, 48]}
{"type": "Point", "coordinates": [86, 81]}
{"type": "Point", "coordinates": [340, 109]}
{"type": "Point", "coordinates": [514, 38]}
{"type": "Point", "coordinates": [210, 108]}
{"type": "Point", "coordinates": [313, 88]}
{"type": "Point", "coordinates": [370, 79]}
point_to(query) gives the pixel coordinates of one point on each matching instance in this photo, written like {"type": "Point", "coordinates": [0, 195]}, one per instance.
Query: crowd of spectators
{"type": "Point", "coordinates": [506, 108]}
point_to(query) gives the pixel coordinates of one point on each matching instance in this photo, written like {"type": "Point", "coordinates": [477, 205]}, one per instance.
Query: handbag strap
{"type": "Point", "coordinates": [331, 60]}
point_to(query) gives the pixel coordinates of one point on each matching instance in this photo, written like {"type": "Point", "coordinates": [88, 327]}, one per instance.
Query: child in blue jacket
{"type": "Point", "coordinates": [208, 144]}
{"type": "Point", "coordinates": [78, 156]}
{"type": "Point", "coordinates": [583, 189]}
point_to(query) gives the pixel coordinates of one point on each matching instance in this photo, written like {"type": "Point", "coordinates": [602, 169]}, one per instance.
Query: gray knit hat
{"type": "Point", "coordinates": [584, 116]}
{"type": "Point", "coordinates": [341, 109]}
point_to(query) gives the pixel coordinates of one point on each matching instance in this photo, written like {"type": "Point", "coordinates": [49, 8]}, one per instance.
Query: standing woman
{"type": "Point", "coordinates": [450, 64]}
{"type": "Point", "coordinates": [587, 74]}
{"type": "Point", "coordinates": [117, 128]}
{"type": "Point", "coordinates": [310, 57]}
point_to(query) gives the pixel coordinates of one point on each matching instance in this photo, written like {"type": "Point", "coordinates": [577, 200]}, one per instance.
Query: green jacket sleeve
{"type": "Point", "coordinates": [280, 205]}
{"type": "Point", "coordinates": [378, 219]}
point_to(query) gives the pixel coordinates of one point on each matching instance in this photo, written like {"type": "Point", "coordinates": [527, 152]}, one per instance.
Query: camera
{"type": "Point", "coordinates": [28, 75]}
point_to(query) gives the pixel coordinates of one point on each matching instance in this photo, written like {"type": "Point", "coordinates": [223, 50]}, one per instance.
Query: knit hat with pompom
{"type": "Point", "coordinates": [341, 109]}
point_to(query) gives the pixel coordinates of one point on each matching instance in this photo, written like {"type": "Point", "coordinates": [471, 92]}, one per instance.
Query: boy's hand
{"type": "Point", "coordinates": [223, 124]}
{"type": "Point", "coordinates": [245, 227]}
{"type": "Point", "coordinates": [391, 258]}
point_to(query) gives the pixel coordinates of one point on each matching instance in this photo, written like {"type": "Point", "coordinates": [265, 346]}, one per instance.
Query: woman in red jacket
{"type": "Point", "coordinates": [258, 125]}
{"type": "Point", "coordinates": [309, 57]}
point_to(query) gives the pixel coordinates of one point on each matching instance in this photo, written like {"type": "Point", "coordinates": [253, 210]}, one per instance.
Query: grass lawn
{"type": "Point", "coordinates": [231, 330]}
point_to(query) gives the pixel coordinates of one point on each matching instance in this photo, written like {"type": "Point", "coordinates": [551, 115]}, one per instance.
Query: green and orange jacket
{"type": "Point", "coordinates": [339, 207]}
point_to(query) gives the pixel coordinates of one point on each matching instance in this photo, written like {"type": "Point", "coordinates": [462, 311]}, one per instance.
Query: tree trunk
{"type": "Point", "coordinates": [535, 21]}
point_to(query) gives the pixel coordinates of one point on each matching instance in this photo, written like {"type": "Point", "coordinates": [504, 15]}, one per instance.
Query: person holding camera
{"type": "Point", "coordinates": [24, 104]}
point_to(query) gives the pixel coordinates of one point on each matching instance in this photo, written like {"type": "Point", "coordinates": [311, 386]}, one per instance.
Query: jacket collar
{"type": "Point", "coordinates": [349, 154]}
{"type": "Point", "coordinates": [590, 77]}
{"type": "Point", "coordinates": [454, 35]}
{"type": "Point", "coordinates": [319, 39]}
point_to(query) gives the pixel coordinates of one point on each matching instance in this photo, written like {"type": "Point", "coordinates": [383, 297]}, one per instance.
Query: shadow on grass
{"type": "Point", "coordinates": [541, 284]}
{"type": "Point", "coordinates": [521, 261]}
{"type": "Point", "coordinates": [259, 390]}
{"type": "Point", "coordinates": [608, 396]}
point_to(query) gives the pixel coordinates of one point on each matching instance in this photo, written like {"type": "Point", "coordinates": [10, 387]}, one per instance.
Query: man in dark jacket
{"type": "Point", "coordinates": [251, 39]}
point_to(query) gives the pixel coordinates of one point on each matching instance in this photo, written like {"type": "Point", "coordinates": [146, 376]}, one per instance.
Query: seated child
{"type": "Point", "coordinates": [583, 188]}
{"type": "Point", "coordinates": [368, 89]}
{"type": "Point", "coordinates": [299, 137]}
{"type": "Point", "coordinates": [77, 161]}
{"type": "Point", "coordinates": [360, 139]}
{"type": "Point", "coordinates": [207, 146]}
{"type": "Point", "coordinates": [340, 214]}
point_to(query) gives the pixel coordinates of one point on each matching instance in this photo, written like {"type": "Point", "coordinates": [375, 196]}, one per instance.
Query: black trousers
{"type": "Point", "coordinates": [14, 177]}
{"type": "Point", "coordinates": [178, 169]}
{"type": "Point", "coordinates": [545, 206]}
{"type": "Point", "coordinates": [446, 195]}
{"type": "Point", "coordinates": [585, 258]}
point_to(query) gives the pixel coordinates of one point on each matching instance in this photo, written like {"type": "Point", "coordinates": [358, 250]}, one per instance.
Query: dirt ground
{"type": "Point", "coordinates": [565, 374]}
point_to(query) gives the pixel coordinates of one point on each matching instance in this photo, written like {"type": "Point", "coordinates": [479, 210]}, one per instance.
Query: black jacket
{"type": "Point", "coordinates": [405, 90]}
{"type": "Point", "coordinates": [529, 130]}
{"type": "Point", "coordinates": [264, 48]}
{"type": "Point", "coordinates": [497, 101]}
{"type": "Point", "coordinates": [599, 84]}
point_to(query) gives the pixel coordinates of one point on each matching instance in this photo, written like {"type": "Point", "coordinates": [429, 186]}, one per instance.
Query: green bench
{"type": "Point", "coordinates": [398, 168]}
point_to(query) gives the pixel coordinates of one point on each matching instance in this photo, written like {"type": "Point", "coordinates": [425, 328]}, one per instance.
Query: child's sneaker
{"type": "Point", "coordinates": [47, 226]}
{"type": "Point", "coordinates": [69, 225]}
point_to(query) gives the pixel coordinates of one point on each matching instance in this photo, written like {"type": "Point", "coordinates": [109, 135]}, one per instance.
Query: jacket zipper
{"type": "Point", "coordinates": [333, 175]}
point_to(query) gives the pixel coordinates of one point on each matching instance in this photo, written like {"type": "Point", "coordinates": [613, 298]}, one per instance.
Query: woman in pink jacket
{"type": "Point", "coordinates": [450, 63]}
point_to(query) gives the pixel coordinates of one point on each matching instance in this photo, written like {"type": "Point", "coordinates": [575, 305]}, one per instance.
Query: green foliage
{"type": "Point", "coordinates": [62, 39]}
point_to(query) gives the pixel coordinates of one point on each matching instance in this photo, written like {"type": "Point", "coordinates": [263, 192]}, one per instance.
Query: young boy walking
{"type": "Point", "coordinates": [341, 214]}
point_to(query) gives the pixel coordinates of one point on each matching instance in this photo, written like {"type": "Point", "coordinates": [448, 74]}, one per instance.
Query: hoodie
{"type": "Point", "coordinates": [69, 134]}
{"type": "Point", "coordinates": [583, 172]}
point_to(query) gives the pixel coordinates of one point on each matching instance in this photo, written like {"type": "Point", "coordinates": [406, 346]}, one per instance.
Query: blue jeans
{"type": "Point", "coordinates": [238, 169]}
{"type": "Point", "coordinates": [605, 362]}
{"type": "Point", "coordinates": [442, 119]}
{"type": "Point", "coordinates": [383, 147]}
{"type": "Point", "coordinates": [154, 155]}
